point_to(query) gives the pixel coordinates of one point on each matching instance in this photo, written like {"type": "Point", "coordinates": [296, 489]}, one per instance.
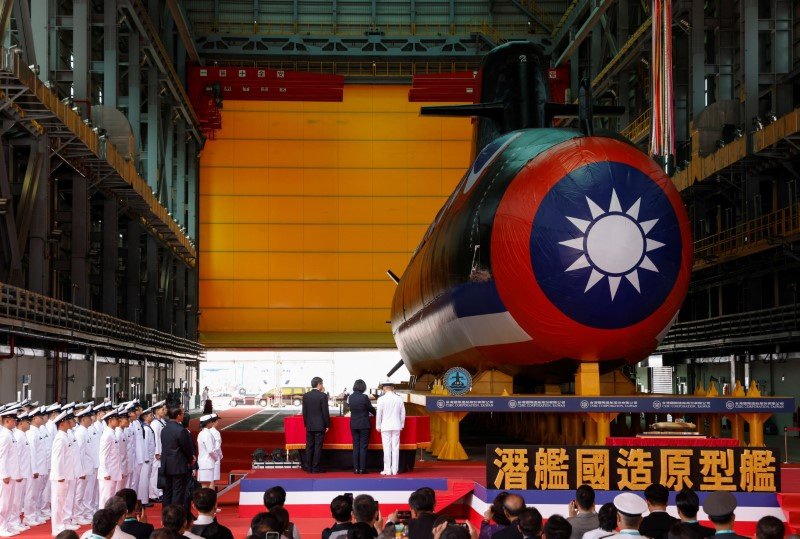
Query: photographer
{"type": "Point", "coordinates": [582, 516]}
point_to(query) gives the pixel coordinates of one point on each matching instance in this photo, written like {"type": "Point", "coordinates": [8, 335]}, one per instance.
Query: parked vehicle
{"type": "Point", "coordinates": [245, 400]}
{"type": "Point", "coordinates": [284, 396]}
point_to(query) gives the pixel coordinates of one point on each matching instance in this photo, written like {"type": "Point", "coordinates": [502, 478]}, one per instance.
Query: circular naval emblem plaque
{"type": "Point", "coordinates": [457, 381]}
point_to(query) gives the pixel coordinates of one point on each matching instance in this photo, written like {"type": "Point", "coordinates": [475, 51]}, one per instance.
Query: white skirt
{"type": "Point", "coordinates": [205, 475]}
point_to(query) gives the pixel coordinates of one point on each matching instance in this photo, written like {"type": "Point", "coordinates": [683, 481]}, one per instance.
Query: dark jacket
{"type": "Point", "coordinates": [509, 532]}
{"type": "Point", "coordinates": [360, 409]}
{"type": "Point", "coordinates": [657, 524]}
{"type": "Point", "coordinates": [704, 531]}
{"type": "Point", "coordinates": [422, 526]}
{"type": "Point", "coordinates": [338, 530]}
{"type": "Point", "coordinates": [215, 530]}
{"type": "Point", "coordinates": [140, 530]}
{"type": "Point", "coordinates": [315, 411]}
{"type": "Point", "coordinates": [362, 530]}
{"type": "Point", "coordinates": [177, 449]}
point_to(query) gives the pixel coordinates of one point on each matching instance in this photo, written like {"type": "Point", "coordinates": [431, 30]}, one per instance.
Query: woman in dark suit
{"type": "Point", "coordinates": [360, 408]}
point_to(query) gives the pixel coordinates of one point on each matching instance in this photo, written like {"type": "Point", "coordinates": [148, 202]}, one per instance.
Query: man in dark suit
{"type": "Point", "coordinates": [658, 522]}
{"type": "Point", "coordinates": [688, 504]}
{"type": "Point", "coordinates": [317, 419]}
{"type": "Point", "coordinates": [134, 524]}
{"type": "Point", "coordinates": [177, 456]}
{"type": "Point", "coordinates": [513, 507]}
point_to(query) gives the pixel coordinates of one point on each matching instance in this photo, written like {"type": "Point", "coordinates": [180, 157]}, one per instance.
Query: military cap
{"type": "Point", "coordinates": [84, 412]}
{"type": "Point", "coordinates": [388, 383]}
{"type": "Point", "coordinates": [55, 407]}
{"type": "Point", "coordinates": [63, 416]}
{"type": "Point", "coordinates": [719, 503]}
{"type": "Point", "coordinates": [27, 416]}
{"type": "Point", "coordinates": [159, 404]}
{"type": "Point", "coordinates": [10, 412]}
{"type": "Point", "coordinates": [630, 504]}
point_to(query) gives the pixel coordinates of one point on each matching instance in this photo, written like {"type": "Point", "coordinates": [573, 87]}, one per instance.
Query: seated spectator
{"type": "Point", "coordinates": [368, 519]}
{"type": "Point", "coordinates": [276, 497]}
{"type": "Point", "coordinates": [557, 527]}
{"type": "Point", "coordinates": [494, 519]}
{"type": "Point", "coordinates": [582, 516]}
{"type": "Point", "coordinates": [263, 523]}
{"type": "Point", "coordinates": [422, 503]}
{"type": "Point", "coordinates": [512, 508]}
{"type": "Point", "coordinates": [770, 527]}
{"type": "Point", "coordinates": [688, 505]}
{"type": "Point", "coordinates": [607, 516]}
{"type": "Point", "coordinates": [206, 525]}
{"type": "Point", "coordinates": [133, 523]}
{"type": "Point", "coordinates": [118, 508]}
{"type": "Point", "coordinates": [529, 523]}
{"type": "Point", "coordinates": [67, 534]}
{"type": "Point", "coordinates": [282, 515]}
{"type": "Point", "coordinates": [682, 530]}
{"type": "Point", "coordinates": [174, 518]}
{"type": "Point", "coordinates": [162, 533]}
{"type": "Point", "coordinates": [453, 531]}
{"type": "Point", "coordinates": [342, 513]}
{"type": "Point", "coordinates": [658, 522]}
{"type": "Point", "coordinates": [104, 523]}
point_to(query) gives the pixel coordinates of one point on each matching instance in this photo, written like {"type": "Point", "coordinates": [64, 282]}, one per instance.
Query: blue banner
{"type": "Point", "coordinates": [641, 404]}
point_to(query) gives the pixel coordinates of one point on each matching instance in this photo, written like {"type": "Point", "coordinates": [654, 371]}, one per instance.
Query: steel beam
{"type": "Point", "coordinates": [110, 253]}
{"type": "Point", "coordinates": [40, 20]}
{"type": "Point", "coordinates": [698, 58]}
{"type": "Point", "coordinates": [12, 257]}
{"type": "Point", "coordinates": [167, 167]}
{"type": "Point", "coordinates": [591, 21]}
{"type": "Point", "coordinates": [27, 199]}
{"type": "Point", "coordinates": [22, 16]}
{"type": "Point", "coordinates": [153, 120]}
{"type": "Point", "coordinates": [191, 303]}
{"type": "Point", "coordinates": [38, 270]}
{"type": "Point", "coordinates": [134, 90]}
{"type": "Point", "coordinates": [80, 241]}
{"type": "Point", "coordinates": [167, 292]}
{"type": "Point", "coordinates": [81, 54]}
{"type": "Point", "coordinates": [179, 307]}
{"type": "Point", "coordinates": [193, 182]}
{"type": "Point", "coordinates": [111, 55]}
{"type": "Point", "coordinates": [179, 209]}
{"type": "Point", "coordinates": [750, 64]}
{"type": "Point", "coordinates": [151, 288]}
{"type": "Point", "coordinates": [133, 271]}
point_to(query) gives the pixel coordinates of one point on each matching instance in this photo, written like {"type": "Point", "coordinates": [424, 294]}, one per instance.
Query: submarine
{"type": "Point", "coordinates": [558, 246]}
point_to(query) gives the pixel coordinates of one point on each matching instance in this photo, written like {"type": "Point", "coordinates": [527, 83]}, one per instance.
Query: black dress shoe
{"type": "Point", "coordinates": [363, 472]}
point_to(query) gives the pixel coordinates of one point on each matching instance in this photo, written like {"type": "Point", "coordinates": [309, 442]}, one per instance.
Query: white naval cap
{"type": "Point", "coordinates": [10, 412]}
{"type": "Point", "coordinates": [84, 412]}
{"type": "Point", "coordinates": [205, 419]}
{"type": "Point", "coordinates": [629, 503]}
{"type": "Point", "coordinates": [159, 404]}
{"type": "Point", "coordinates": [53, 408]}
{"type": "Point", "coordinates": [61, 417]}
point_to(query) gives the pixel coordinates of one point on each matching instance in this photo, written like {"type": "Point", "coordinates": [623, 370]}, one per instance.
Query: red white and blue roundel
{"type": "Point", "coordinates": [607, 249]}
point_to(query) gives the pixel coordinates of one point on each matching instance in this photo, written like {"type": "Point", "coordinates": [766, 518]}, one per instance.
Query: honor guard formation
{"type": "Point", "coordinates": [63, 462]}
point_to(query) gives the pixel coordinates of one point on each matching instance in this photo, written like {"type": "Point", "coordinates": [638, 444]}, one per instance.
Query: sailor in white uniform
{"type": "Point", "coordinates": [206, 453]}
{"type": "Point", "coordinates": [389, 421]}
{"type": "Point", "coordinates": [62, 475]}
{"type": "Point", "coordinates": [149, 451]}
{"type": "Point", "coordinates": [9, 469]}
{"type": "Point", "coordinates": [137, 436]}
{"type": "Point", "coordinates": [159, 413]}
{"type": "Point", "coordinates": [84, 468]}
{"type": "Point", "coordinates": [98, 427]}
{"type": "Point", "coordinates": [38, 443]}
{"type": "Point", "coordinates": [218, 440]}
{"type": "Point", "coordinates": [21, 489]}
{"type": "Point", "coordinates": [122, 444]}
{"type": "Point", "coordinates": [50, 430]}
{"type": "Point", "coordinates": [109, 473]}
{"type": "Point", "coordinates": [630, 508]}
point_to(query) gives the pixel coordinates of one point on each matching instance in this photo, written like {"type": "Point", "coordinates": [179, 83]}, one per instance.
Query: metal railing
{"type": "Point", "coordinates": [358, 69]}
{"type": "Point", "coordinates": [748, 327]}
{"type": "Point", "coordinates": [752, 236]}
{"type": "Point", "coordinates": [37, 315]}
{"type": "Point", "coordinates": [638, 128]}
{"type": "Point", "coordinates": [206, 27]}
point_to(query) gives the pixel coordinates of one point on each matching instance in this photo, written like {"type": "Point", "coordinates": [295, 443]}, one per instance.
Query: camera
{"type": "Point", "coordinates": [403, 516]}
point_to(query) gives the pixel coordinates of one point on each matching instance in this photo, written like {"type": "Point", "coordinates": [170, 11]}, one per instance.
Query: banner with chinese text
{"type": "Point", "coordinates": [534, 467]}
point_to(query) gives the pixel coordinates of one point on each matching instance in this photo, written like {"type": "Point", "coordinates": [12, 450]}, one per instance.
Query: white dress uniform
{"type": "Point", "coordinates": [91, 499]}
{"type": "Point", "coordinates": [149, 444]}
{"type": "Point", "coordinates": [206, 455]}
{"type": "Point", "coordinates": [62, 476]}
{"type": "Point", "coordinates": [157, 425]}
{"type": "Point", "coordinates": [71, 509]}
{"type": "Point", "coordinates": [24, 475]}
{"type": "Point", "coordinates": [218, 439]}
{"type": "Point", "coordinates": [50, 430]}
{"type": "Point", "coordinates": [110, 466]}
{"type": "Point", "coordinates": [130, 447]}
{"type": "Point", "coordinates": [390, 420]}
{"type": "Point", "coordinates": [137, 434]}
{"type": "Point", "coordinates": [8, 470]}
{"type": "Point", "coordinates": [84, 468]}
{"type": "Point", "coordinates": [33, 503]}
{"type": "Point", "coordinates": [122, 451]}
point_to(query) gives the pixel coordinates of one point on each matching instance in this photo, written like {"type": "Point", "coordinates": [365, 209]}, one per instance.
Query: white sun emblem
{"type": "Point", "coordinates": [614, 244]}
